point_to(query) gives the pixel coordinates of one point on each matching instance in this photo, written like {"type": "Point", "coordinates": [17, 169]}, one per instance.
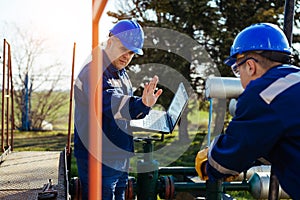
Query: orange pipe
{"type": "Point", "coordinates": [95, 108]}
{"type": "Point", "coordinates": [98, 8]}
{"type": "Point", "coordinates": [3, 97]}
{"type": "Point", "coordinates": [71, 103]}
{"type": "Point", "coordinates": [12, 128]}
{"type": "Point", "coordinates": [8, 96]}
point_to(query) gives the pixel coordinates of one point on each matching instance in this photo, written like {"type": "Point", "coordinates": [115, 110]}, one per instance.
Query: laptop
{"type": "Point", "coordinates": [163, 121]}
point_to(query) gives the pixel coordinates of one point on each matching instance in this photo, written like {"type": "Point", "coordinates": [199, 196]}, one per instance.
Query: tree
{"type": "Point", "coordinates": [236, 15]}
{"type": "Point", "coordinates": [34, 86]}
{"type": "Point", "coordinates": [212, 23]}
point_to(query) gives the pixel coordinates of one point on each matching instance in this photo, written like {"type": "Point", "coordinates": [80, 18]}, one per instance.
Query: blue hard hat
{"type": "Point", "coordinates": [131, 35]}
{"type": "Point", "coordinates": [259, 37]}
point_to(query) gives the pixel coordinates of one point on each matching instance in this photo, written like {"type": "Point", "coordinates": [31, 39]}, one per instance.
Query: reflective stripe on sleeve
{"type": "Point", "coordinates": [279, 86]}
{"type": "Point", "coordinates": [216, 165]}
{"type": "Point", "coordinates": [139, 115]}
{"type": "Point", "coordinates": [118, 114]}
{"type": "Point", "coordinates": [78, 84]}
{"type": "Point", "coordinates": [220, 168]}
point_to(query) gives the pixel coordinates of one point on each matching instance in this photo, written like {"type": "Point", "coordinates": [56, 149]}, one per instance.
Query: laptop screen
{"type": "Point", "coordinates": [177, 104]}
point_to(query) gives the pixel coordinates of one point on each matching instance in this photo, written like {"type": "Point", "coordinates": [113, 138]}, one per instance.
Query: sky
{"type": "Point", "coordinates": [61, 22]}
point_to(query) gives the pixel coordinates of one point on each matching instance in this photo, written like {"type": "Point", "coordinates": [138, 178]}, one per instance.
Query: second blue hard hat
{"type": "Point", "coordinates": [259, 37]}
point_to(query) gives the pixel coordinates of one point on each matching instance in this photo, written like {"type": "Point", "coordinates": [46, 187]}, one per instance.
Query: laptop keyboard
{"type": "Point", "coordinates": [155, 120]}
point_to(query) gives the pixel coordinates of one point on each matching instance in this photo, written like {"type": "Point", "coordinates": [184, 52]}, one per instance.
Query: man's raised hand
{"type": "Point", "coordinates": [149, 97]}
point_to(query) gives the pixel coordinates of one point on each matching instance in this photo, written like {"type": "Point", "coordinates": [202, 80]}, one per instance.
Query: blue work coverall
{"type": "Point", "coordinates": [118, 107]}
{"type": "Point", "coordinates": [266, 125]}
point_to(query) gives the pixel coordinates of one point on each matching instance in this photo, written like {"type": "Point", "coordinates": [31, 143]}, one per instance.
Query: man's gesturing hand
{"type": "Point", "coordinates": [149, 98]}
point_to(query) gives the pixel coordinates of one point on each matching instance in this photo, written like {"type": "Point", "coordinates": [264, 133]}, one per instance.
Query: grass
{"type": "Point", "coordinates": [40, 141]}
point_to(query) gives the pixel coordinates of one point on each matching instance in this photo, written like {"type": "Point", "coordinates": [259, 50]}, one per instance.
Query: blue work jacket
{"type": "Point", "coordinates": [266, 126]}
{"type": "Point", "coordinates": [118, 107]}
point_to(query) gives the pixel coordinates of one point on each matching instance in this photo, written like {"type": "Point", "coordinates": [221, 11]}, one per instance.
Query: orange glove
{"type": "Point", "coordinates": [200, 163]}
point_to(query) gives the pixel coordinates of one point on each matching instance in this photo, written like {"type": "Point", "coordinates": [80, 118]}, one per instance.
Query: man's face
{"type": "Point", "coordinates": [119, 55]}
{"type": "Point", "coordinates": [245, 68]}
{"type": "Point", "coordinates": [245, 79]}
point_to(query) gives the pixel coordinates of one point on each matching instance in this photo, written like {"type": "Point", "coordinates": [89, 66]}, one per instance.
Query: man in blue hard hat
{"type": "Point", "coordinates": [266, 125]}
{"type": "Point", "coordinates": [119, 106]}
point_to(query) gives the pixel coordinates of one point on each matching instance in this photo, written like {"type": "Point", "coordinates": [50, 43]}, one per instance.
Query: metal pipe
{"type": "Point", "coordinates": [71, 103]}
{"type": "Point", "coordinates": [259, 187]}
{"type": "Point", "coordinates": [189, 186]}
{"type": "Point", "coordinates": [201, 186]}
{"type": "Point", "coordinates": [223, 87]}
{"type": "Point", "coordinates": [209, 121]}
{"type": "Point", "coordinates": [288, 23]}
{"type": "Point", "coordinates": [12, 101]}
{"type": "Point", "coordinates": [7, 96]}
{"type": "Point", "coordinates": [214, 190]}
{"type": "Point", "coordinates": [178, 170]}
{"type": "Point", "coordinates": [236, 186]}
{"type": "Point", "coordinates": [3, 97]}
{"type": "Point", "coordinates": [95, 108]}
{"type": "Point", "coordinates": [97, 9]}
{"type": "Point", "coordinates": [190, 171]}
{"type": "Point", "coordinates": [249, 173]}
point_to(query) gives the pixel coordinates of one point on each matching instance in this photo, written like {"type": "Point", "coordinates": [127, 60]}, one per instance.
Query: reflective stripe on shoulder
{"type": "Point", "coordinates": [216, 165]}
{"type": "Point", "coordinates": [78, 84]}
{"type": "Point", "coordinates": [279, 86]}
{"type": "Point", "coordinates": [118, 115]}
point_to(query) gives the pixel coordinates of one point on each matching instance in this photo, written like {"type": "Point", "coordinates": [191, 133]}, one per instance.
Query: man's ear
{"type": "Point", "coordinates": [109, 42]}
{"type": "Point", "coordinates": [251, 67]}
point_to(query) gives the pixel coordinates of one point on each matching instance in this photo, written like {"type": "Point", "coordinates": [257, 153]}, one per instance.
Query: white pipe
{"type": "Point", "coordinates": [259, 186]}
{"type": "Point", "coordinates": [223, 87]}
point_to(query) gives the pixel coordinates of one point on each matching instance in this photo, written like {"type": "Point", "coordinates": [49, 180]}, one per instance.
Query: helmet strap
{"type": "Point", "coordinates": [277, 56]}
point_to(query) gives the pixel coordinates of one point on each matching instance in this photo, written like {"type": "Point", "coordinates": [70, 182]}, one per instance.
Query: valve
{"type": "Point", "coordinates": [167, 187]}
